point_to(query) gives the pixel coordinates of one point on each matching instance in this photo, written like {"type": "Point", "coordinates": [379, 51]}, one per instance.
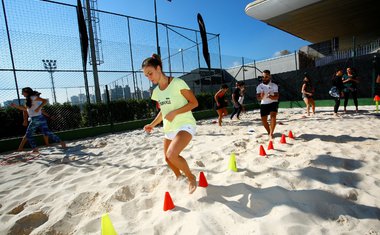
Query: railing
{"type": "Point", "coordinates": [345, 54]}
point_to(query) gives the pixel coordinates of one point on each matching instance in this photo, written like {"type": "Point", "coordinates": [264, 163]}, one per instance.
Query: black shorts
{"type": "Point", "coordinates": [266, 109]}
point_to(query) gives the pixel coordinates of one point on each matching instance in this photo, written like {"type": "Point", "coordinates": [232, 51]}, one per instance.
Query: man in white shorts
{"type": "Point", "coordinates": [267, 93]}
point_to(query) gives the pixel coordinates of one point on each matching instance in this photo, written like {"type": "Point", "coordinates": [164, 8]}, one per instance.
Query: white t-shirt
{"type": "Point", "coordinates": [34, 106]}
{"type": "Point", "coordinates": [268, 89]}
{"type": "Point", "coordinates": [241, 99]}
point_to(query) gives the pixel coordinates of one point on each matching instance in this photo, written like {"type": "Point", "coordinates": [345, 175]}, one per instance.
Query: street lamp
{"type": "Point", "coordinates": [51, 66]}
{"type": "Point", "coordinates": [183, 66]}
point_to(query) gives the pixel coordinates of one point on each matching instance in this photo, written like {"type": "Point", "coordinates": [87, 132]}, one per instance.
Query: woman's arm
{"type": "Point", "coordinates": [303, 89]}
{"type": "Point", "coordinates": [192, 104]}
{"type": "Point", "coordinates": [216, 96]}
{"type": "Point", "coordinates": [44, 102]}
{"type": "Point", "coordinates": [19, 107]}
{"type": "Point", "coordinates": [148, 128]}
{"type": "Point", "coordinates": [25, 117]}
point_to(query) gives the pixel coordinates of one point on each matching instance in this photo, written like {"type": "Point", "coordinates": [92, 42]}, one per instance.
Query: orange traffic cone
{"type": "Point", "coordinates": [168, 202]}
{"type": "Point", "coordinates": [283, 140]}
{"type": "Point", "coordinates": [290, 135]}
{"type": "Point", "coordinates": [202, 180]}
{"type": "Point", "coordinates": [270, 145]}
{"type": "Point", "coordinates": [262, 151]}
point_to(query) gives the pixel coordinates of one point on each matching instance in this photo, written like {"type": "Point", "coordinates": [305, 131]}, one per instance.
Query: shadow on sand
{"type": "Point", "coordinates": [255, 202]}
{"type": "Point", "coordinates": [334, 139]}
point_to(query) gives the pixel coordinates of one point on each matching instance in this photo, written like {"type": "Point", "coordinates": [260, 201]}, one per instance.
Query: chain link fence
{"type": "Point", "coordinates": [40, 48]}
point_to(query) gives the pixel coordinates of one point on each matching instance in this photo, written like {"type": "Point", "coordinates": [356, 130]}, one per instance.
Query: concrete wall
{"type": "Point", "coordinates": [276, 65]}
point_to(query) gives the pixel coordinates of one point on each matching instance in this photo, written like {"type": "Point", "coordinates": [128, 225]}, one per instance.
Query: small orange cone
{"type": "Point", "coordinates": [168, 202]}
{"type": "Point", "coordinates": [262, 151]}
{"type": "Point", "coordinates": [283, 140]}
{"type": "Point", "coordinates": [270, 145]}
{"type": "Point", "coordinates": [290, 135]}
{"type": "Point", "coordinates": [202, 180]}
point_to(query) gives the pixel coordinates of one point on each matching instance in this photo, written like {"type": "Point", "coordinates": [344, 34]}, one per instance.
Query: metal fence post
{"type": "Point", "coordinates": [167, 41]}
{"type": "Point", "coordinates": [131, 53]}
{"type": "Point", "coordinates": [109, 108]}
{"type": "Point", "coordinates": [11, 51]}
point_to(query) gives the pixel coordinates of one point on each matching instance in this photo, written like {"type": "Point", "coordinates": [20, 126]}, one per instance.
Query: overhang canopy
{"type": "Point", "coordinates": [319, 20]}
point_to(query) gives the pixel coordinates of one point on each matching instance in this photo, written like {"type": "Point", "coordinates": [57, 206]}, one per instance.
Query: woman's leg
{"type": "Point", "coordinates": [32, 127]}
{"type": "Point", "coordinates": [225, 111]}
{"type": "Point", "coordinates": [220, 116]}
{"type": "Point", "coordinates": [21, 146]}
{"type": "Point", "coordinates": [46, 140]}
{"type": "Point", "coordinates": [176, 146]}
{"type": "Point", "coordinates": [172, 167]}
{"type": "Point", "coordinates": [238, 112]}
{"type": "Point", "coordinates": [306, 100]}
{"type": "Point", "coordinates": [346, 96]}
{"type": "Point", "coordinates": [355, 98]}
{"type": "Point", "coordinates": [234, 112]}
{"type": "Point", "coordinates": [312, 102]}
{"type": "Point", "coordinates": [336, 106]}
{"type": "Point", "coordinates": [47, 132]}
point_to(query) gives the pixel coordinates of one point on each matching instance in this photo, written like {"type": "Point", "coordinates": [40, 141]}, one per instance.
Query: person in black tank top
{"type": "Point", "coordinates": [221, 103]}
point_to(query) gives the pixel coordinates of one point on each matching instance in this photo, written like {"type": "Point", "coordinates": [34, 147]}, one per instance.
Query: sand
{"type": "Point", "coordinates": [325, 181]}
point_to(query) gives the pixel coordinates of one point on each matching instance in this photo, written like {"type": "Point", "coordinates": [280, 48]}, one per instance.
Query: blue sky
{"type": "Point", "coordinates": [41, 30]}
{"type": "Point", "coordinates": [241, 35]}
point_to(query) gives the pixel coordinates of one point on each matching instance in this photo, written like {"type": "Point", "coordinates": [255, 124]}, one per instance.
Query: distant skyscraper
{"type": "Point", "coordinates": [127, 92]}
{"type": "Point", "coordinates": [146, 94]}
{"type": "Point", "coordinates": [14, 101]}
{"type": "Point", "coordinates": [74, 100]}
{"type": "Point", "coordinates": [117, 93]}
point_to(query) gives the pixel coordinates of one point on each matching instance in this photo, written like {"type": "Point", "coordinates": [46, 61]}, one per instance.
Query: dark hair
{"type": "Point", "coordinates": [30, 93]}
{"type": "Point", "coordinates": [266, 71]}
{"type": "Point", "coordinates": [153, 61]}
{"type": "Point", "coordinates": [308, 80]}
{"type": "Point", "coordinates": [353, 71]}
{"type": "Point", "coordinates": [224, 86]}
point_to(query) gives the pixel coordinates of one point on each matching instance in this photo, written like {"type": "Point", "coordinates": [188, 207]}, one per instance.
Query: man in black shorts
{"type": "Point", "coordinates": [267, 93]}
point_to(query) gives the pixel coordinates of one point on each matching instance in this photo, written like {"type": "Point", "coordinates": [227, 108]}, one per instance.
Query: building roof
{"type": "Point", "coordinates": [319, 20]}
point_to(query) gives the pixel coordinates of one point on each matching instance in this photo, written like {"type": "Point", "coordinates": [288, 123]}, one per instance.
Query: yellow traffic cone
{"type": "Point", "coordinates": [232, 164]}
{"type": "Point", "coordinates": [107, 227]}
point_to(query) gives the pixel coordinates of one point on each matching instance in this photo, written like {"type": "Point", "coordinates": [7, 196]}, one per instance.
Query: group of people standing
{"type": "Point", "coordinates": [345, 85]}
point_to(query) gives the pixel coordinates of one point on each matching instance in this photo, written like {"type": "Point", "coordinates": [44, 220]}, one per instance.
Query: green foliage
{"type": "Point", "coordinates": [11, 120]}
{"type": "Point", "coordinates": [65, 116]}
{"type": "Point", "coordinates": [205, 101]}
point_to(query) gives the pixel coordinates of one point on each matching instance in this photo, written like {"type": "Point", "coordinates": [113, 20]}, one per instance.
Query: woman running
{"type": "Point", "coordinates": [176, 101]}
{"type": "Point", "coordinates": [33, 106]}
{"type": "Point", "coordinates": [307, 95]}
{"type": "Point", "coordinates": [221, 103]}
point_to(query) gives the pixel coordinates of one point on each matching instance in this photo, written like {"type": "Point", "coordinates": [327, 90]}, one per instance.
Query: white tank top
{"type": "Point", "coordinates": [34, 106]}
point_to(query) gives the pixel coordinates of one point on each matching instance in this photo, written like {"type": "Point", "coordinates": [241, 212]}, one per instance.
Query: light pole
{"type": "Point", "coordinates": [155, 19]}
{"type": "Point", "coordinates": [183, 66]}
{"type": "Point", "coordinates": [51, 66]}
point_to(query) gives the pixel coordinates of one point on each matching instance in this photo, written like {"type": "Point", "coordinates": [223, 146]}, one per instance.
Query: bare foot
{"type": "Point", "coordinates": [192, 184]}
{"type": "Point", "coordinates": [179, 177]}
{"type": "Point", "coordinates": [63, 144]}
{"type": "Point", "coordinates": [35, 150]}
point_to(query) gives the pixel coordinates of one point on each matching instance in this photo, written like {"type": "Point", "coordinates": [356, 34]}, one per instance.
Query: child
{"type": "Point", "coordinates": [33, 106]}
